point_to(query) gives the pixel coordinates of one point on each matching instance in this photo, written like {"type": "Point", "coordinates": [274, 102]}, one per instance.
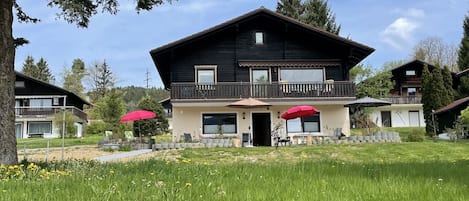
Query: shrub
{"type": "Point", "coordinates": [96, 127]}
{"type": "Point", "coordinates": [416, 135]}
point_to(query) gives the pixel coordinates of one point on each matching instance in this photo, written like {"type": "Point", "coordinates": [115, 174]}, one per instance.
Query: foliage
{"type": "Point", "coordinates": [156, 126]}
{"type": "Point", "coordinates": [463, 53]}
{"type": "Point", "coordinates": [448, 86]}
{"type": "Point", "coordinates": [463, 87]}
{"type": "Point", "coordinates": [439, 94]}
{"type": "Point", "coordinates": [313, 12]}
{"type": "Point", "coordinates": [73, 78]}
{"type": "Point", "coordinates": [376, 86]}
{"type": "Point", "coordinates": [40, 70]}
{"type": "Point", "coordinates": [101, 80]}
{"type": "Point", "coordinates": [433, 97]}
{"type": "Point", "coordinates": [132, 95]}
{"type": "Point", "coordinates": [110, 109]}
{"type": "Point", "coordinates": [360, 73]}
{"type": "Point", "coordinates": [465, 116]}
{"type": "Point", "coordinates": [435, 51]}
{"type": "Point", "coordinates": [416, 135]}
{"type": "Point", "coordinates": [456, 131]}
{"type": "Point", "coordinates": [70, 119]}
{"type": "Point", "coordinates": [96, 128]}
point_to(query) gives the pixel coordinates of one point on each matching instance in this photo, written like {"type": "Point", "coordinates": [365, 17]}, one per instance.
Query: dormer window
{"type": "Point", "coordinates": [259, 38]}
{"type": "Point", "coordinates": [410, 72]}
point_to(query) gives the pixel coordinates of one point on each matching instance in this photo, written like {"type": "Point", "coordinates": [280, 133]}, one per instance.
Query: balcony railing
{"type": "Point", "coordinates": [404, 99]}
{"type": "Point", "coordinates": [270, 90]}
{"type": "Point", "coordinates": [33, 111]}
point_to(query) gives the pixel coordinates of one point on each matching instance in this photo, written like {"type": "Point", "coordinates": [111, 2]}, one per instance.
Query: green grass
{"type": "Point", "coordinates": [57, 142]}
{"type": "Point", "coordinates": [404, 132]}
{"type": "Point", "coordinates": [388, 171]}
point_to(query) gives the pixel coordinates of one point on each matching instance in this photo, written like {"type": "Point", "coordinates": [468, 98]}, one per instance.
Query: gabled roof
{"type": "Point", "coordinates": [59, 89]}
{"type": "Point", "coordinates": [256, 12]}
{"type": "Point", "coordinates": [358, 51]}
{"type": "Point", "coordinates": [412, 63]}
{"type": "Point", "coordinates": [453, 105]}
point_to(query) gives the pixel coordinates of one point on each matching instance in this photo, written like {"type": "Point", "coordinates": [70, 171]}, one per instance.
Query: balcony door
{"type": "Point", "coordinates": [260, 79]}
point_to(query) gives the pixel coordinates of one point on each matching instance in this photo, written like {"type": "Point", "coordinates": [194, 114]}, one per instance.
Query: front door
{"type": "Point", "coordinates": [261, 129]}
{"type": "Point", "coordinates": [414, 119]}
{"type": "Point", "coordinates": [386, 118]}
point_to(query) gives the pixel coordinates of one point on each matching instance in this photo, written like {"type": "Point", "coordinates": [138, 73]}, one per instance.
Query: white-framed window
{"type": "Point", "coordinates": [216, 123]}
{"type": "Point", "coordinates": [39, 127]}
{"type": "Point", "coordinates": [55, 101]}
{"type": "Point", "coordinates": [259, 38]}
{"type": "Point", "coordinates": [411, 91]}
{"type": "Point", "coordinates": [306, 124]}
{"type": "Point", "coordinates": [206, 74]}
{"type": "Point", "coordinates": [410, 72]}
{"type": "Point", "coordinates": [293, 75]}
{"type": "Point", "coordinates": [19, 84]}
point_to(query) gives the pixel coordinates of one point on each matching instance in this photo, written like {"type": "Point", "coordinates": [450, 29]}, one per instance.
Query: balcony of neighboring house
{"type": "Point", "coordinates": [47, 111]}
{"type": "Point", "coordinates": [404, 99]}
{"type": "Point", "coordinates": [221, 90]}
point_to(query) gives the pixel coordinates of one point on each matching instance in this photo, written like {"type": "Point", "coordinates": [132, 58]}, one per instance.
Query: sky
{"type": "Point", "coordinates": [124, 40]}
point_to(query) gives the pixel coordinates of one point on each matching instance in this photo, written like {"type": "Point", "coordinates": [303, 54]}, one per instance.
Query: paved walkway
{"type": "Point", "coordinates": [122, 155]}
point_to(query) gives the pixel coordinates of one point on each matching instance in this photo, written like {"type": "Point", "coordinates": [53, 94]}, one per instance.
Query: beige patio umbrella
{"type": "Point", "coordinates": [248, 103]}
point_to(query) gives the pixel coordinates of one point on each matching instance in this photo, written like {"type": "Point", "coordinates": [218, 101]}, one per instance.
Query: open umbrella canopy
{"type": "Point", "coordinates": [137, 115]}
{"type": "Point", "coordinates": [249, 103]}
{"type": "Point", "coordinates": [367, 102]}
{"type": "Point", "coordinates": [299, 111]}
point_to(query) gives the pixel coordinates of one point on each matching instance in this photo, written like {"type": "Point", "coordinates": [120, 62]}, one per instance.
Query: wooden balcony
{"type": "Point", "coordinates": [46, 111]}
{"type": "Point", "coordinates": [404, 99]}
{"type": "Point", "coordinates": [271, 90]}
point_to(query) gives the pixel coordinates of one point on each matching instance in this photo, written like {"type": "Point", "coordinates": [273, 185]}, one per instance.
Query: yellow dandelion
{"type": "Point", "coordinates": [188, 185]}
{"type": "Point", "coordinates": [4, 190]}
{"type": "Point", "coordinates": [151, 173]}
{"type": "Point", "coordinates": [111, 172]}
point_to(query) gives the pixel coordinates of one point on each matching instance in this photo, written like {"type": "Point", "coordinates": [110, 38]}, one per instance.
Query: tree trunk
{"type": "Point", "coordinates": [8, 152]}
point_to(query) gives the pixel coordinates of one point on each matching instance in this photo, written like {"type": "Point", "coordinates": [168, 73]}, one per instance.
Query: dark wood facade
{"type": "Point", "coordinates": [232, 48]}
{"type": "Point", "coordinates": [27, 88]}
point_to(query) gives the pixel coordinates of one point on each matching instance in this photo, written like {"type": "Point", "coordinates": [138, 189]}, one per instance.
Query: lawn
{"type": "Point", "coordinates": [387, 171]}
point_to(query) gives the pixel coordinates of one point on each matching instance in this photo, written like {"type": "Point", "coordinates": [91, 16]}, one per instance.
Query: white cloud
{"type": "Point", "coordinates": [399, 32]}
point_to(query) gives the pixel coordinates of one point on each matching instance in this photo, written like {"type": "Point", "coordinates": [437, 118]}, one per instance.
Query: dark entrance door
{"type": "Point", "coordinates": [386, 118]}
{"type": "Point", "coordinates": [261, 129]}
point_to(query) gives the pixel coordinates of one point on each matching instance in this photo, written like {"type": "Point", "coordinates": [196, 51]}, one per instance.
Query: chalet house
{"type": "Point", "coordinates": [266, 56]}
{"type": "Point", "coordinates": [37, 102]}
{"type": "Point", "coordinates": [406, 95]}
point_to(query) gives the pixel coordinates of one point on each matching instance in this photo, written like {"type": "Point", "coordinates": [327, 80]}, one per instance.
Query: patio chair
{"type": "Point", "coordinates": [246, 139]}
{"type": "Point", "coordinates": [187, 137]}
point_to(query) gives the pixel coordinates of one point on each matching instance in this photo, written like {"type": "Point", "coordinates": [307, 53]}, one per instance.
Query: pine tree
{"type": "Point", "coordinates": [448, 86]}
{"type": "Point", "coordinates": [463, 55]}
{"type": "Point", "coordinates": [73, 78]}
{"type": "Point", "coordinates": [313, 12]}
{"type": "Point", "coordinates": [43, 72]}
{"type": "Point", "coordinates": [463, 88]}
{"type": "Point", "coordinates": [427, 89]}
{"type": "Point", "coordinates": [29, 68]}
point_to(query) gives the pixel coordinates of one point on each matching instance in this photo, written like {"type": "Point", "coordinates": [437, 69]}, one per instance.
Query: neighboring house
{"type": "Point", "coordinates": [36, 103]}
{"type": "Point", "coordinates": [168, 111]}
{"type": "Point", "coordinates": [447, 115]}
{"type": "Point", "coordinates": [406, 95]}
{"type": "Point", "coordinates": [266, 56]}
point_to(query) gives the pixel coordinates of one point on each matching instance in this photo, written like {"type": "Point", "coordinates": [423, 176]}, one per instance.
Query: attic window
{"type": "Point", "coordinates": [259, 38]}
{"type": "Point", "coordinates": [410, 72]}
{"type": "Point", "coordinates": [19, 84]}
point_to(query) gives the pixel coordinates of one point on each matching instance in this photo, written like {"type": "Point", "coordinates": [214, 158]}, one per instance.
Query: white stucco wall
{"type": "Point", "coordinates": [399, 114]}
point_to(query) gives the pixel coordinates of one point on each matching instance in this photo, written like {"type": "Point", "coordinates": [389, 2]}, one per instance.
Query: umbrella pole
{"type": "Point", "coordinates": [140, 135]}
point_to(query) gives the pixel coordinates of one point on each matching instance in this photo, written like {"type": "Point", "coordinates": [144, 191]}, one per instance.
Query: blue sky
{"type": "Point", "coordinates": [124, 40]}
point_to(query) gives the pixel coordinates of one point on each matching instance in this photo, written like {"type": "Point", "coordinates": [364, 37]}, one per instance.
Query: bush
{"type": "Point", "coordinates": [416, 135]}
{"type": "Point", "coordinates": [96, 127]}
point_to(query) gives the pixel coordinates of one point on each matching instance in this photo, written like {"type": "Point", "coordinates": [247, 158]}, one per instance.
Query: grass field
{"type": "Point", "coordinates": [388, 171]}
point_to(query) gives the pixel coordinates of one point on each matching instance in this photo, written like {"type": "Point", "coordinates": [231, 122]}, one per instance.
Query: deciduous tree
{"type": "Point", "coordinates": [78, 12]}
{"type": "Point", "coordinates": [435, 51]}
{"type": "Point", "coordinates": [73, 77]}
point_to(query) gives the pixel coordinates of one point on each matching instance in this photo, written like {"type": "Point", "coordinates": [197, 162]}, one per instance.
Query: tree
{"type": "Point", "coordinates": [434, 51]}
{"type": "Point", "coordinates": [43, 72]}
{"type": "Point", "coordinates": [78, 12]}
{"type": "Point", "coordinates": [73, 78]}
{"type": "Point", "coordinates": [463, 88]}
{"type": "Point", "coordinates": [313, 12]}
{"type": "Point", "coordinates": [110, 109]}
{"type": "Point", "coordinates": [155, 126]}
{"type": "Point", "coordinates": [448, 86]}
{"type": "Point", "coordinates": [101, 80]}
{"type": "Point", "coordinates": [463, 53]}
{"type": "Point", "coordinates": [40, 70]}
{"type": "Point", "coordinates": [427, 101]}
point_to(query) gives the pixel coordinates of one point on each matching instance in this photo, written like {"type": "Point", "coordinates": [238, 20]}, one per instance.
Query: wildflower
{"type": "Point", "coordinates": [151, 173]}
{"type": "Point", "coordinates": [4, 190]}
{"type": "Point", "coordinates": [111, 172]}
{"type": "Point", "coordinates": [188, 185]}
{"type": "Point", "coordinates": [440, 179]}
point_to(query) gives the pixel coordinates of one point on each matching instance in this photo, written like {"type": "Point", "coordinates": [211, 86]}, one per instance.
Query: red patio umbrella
{"type": "Point", "coordinates": [299, 111]}
{"type": "Point", "coordinates": [137, 115]}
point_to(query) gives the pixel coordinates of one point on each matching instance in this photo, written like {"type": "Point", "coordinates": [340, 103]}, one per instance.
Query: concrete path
{"type": "Point", "coordinates": [122, 155]}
